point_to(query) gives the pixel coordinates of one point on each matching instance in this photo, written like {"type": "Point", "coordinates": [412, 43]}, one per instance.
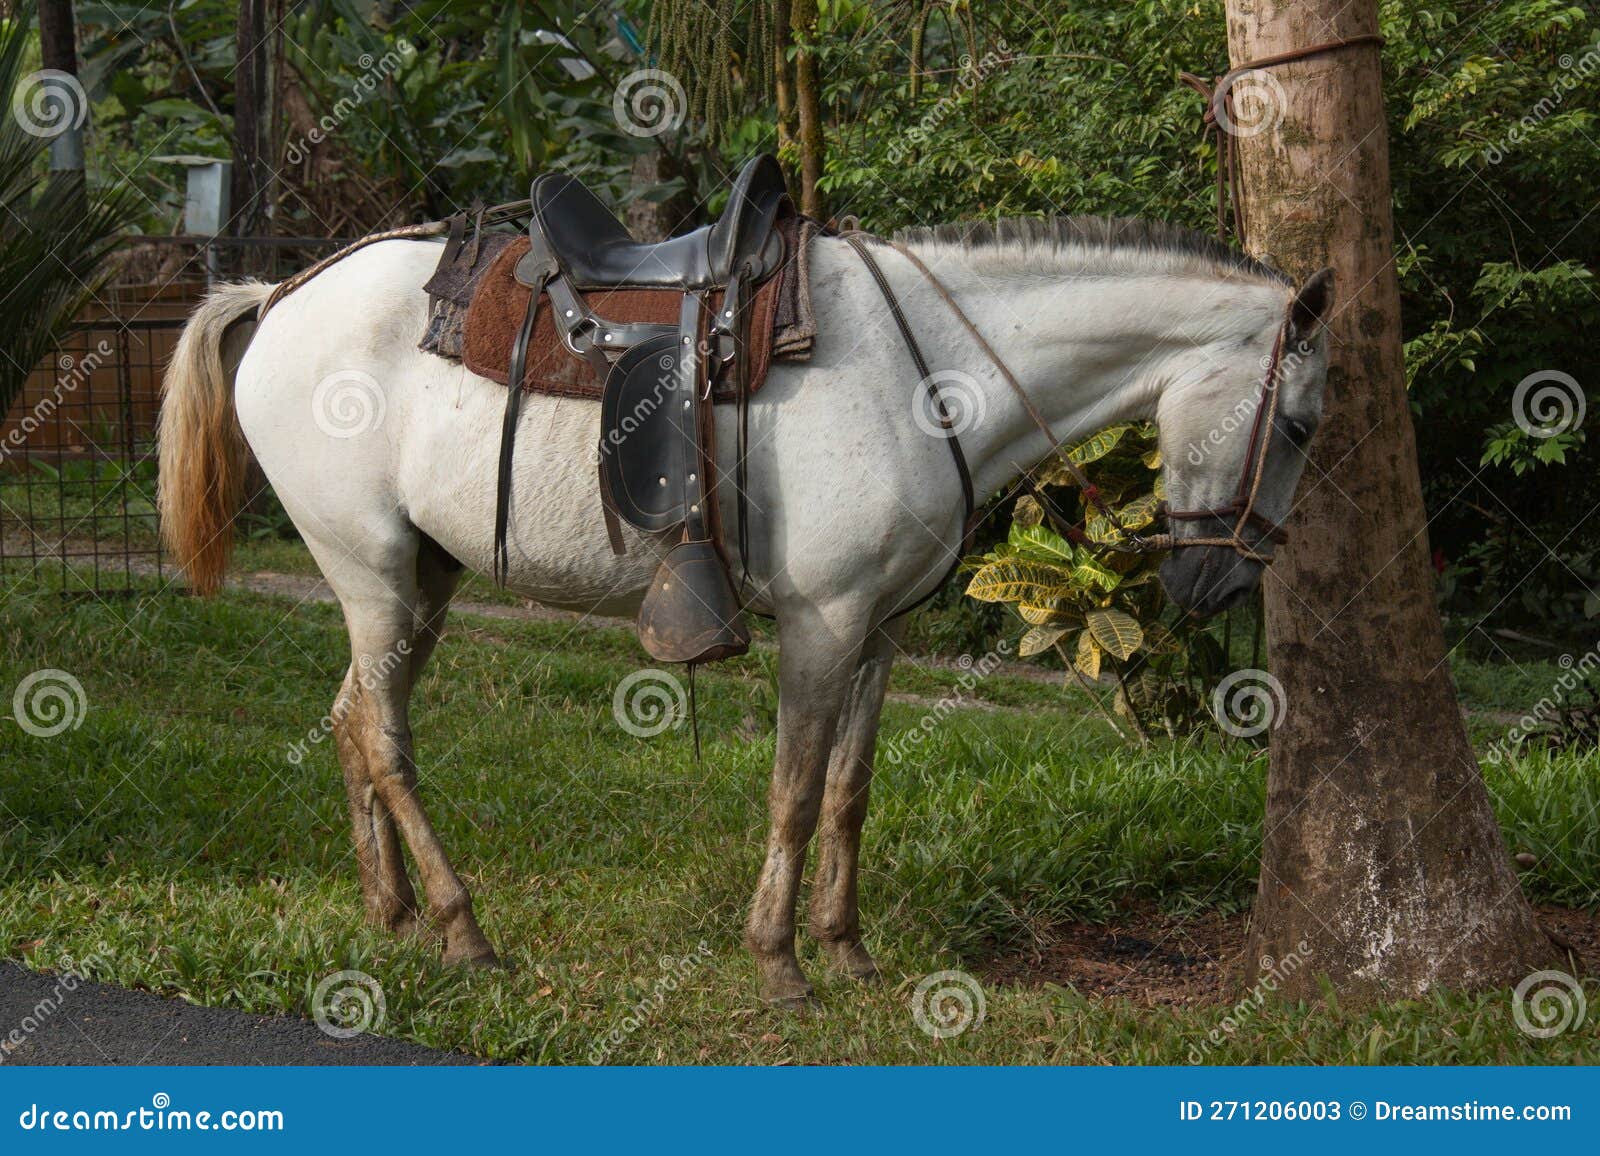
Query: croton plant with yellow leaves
{"type": "Point", "coordinates": [1101, 611]}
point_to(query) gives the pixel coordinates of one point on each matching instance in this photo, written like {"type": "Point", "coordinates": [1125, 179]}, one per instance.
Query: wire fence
{"type": "Point", "coordinates": [78, 446]}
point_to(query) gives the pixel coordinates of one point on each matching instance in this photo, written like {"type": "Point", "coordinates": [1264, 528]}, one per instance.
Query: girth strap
{"type": "Point", "coordinates": [508, 426]}
{"type": "Point", "coordinates": [968, 524]}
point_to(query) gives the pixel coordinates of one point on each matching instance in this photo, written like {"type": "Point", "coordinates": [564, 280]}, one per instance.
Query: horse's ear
{"type": "Point", "coordinates": [1312, 304]}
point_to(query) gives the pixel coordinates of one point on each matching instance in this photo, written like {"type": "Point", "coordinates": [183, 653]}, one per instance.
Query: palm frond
{"type": "Point", "coordinates": [56, 236]}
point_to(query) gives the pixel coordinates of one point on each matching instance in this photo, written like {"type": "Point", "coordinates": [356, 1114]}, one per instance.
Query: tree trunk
{"type": "Point", "coordinates": [657, 220]}
{"type": "Point", "coordinates": [782, 74]}
{"type": "Point", "coordinates": [808, 103]}
{"type": "Point", "coordinates": [251, 112]}
{"type": "Point", "coordinates": [58, 52]}
{"type": "Point", "coordinates": [1383, 868]}
{"type": "Point", "coordinates": [58, 37]}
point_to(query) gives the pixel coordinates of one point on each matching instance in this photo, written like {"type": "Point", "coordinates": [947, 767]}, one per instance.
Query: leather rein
{"type": "Point", "coordinates": [1241, 509]}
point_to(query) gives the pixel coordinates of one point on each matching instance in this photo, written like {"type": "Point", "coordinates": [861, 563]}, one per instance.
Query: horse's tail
{"type": "Point", "coordinates": [203, 452]}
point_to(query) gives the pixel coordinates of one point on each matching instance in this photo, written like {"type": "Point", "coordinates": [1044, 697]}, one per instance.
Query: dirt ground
{"type": "Point", "coordinates": [1159, 960]}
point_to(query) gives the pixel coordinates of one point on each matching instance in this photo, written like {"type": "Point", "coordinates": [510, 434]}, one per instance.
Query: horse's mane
{"type": "Point", "coordinates": [1093, 245]}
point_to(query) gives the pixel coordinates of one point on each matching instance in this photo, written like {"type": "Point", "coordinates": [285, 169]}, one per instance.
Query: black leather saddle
{"type": "Point", "coordinates": [657, 452]}
{"type": "Point", "coordinates": [596, 251]}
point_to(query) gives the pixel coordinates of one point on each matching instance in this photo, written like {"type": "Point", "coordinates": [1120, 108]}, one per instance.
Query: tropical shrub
{"type": "Point", "coordinates": [1101, 610]}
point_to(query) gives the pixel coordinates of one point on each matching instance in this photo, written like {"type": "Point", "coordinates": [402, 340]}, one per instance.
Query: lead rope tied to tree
{"type": "Point", "coordinates": [1219, 117]}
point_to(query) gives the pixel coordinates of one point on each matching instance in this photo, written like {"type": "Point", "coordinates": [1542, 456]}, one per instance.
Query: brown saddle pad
{"type": "Point", "coordinates": [477, 306]}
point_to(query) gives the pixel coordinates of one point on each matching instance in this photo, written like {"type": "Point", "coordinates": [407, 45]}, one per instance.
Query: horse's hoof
{"type": "Point", "coordinates": [469, 950]}
{"type": "Point", "coordinates": [791, 999]}
{"type": "Point", "coordinates": [783, 984]}
{"type": "Point", "coordinates": [852, 960]}
{"type": "Point", "coordinates": [485, 959]}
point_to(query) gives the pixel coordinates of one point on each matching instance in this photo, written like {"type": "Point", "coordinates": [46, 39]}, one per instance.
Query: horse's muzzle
{"type": "Point", "coordinates": [1206, 580]}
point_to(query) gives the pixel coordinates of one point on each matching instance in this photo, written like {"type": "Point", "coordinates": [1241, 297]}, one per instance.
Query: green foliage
{"type": "Point", "coordinates": [55, 234]}
{"type": "Point", "coordinates": [437, 104]}
{"type": "Point", "coordinates": [1056, 109]}
{"type": "Point", "coordinates": [1510, 446]}
{"type": "Point", "coordinates": [161, 85]}
{"type": "Point", "coordinates": [1492, 116]}
{"type": "Point", "coordinates": [1102, 613]}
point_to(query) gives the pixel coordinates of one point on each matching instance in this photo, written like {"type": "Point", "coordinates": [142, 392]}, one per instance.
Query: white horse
{"type": "Point", "coordinates": [385, 458]}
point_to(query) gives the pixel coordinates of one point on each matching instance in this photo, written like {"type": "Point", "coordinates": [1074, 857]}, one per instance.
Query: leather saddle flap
{"type": "Point", "coordinates": [645, 438]}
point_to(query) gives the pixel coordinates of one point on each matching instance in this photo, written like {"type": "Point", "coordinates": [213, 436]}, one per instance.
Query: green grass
{"type": "Point", "coordinates": [171, 838]}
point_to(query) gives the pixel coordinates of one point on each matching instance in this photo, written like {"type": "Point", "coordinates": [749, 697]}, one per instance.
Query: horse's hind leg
{"type": "Point", "coordinates": [393, 617]}
{"type": "Point", "coordinates": [835, 918]}
{"type": "Point", "coordinates": [391, 902]}
{"type": "Point", "coordinates": [385, 887]}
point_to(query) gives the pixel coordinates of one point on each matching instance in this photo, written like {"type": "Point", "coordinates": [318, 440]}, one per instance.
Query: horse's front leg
{"type": "Point", "coordinates": [835, 917]}
{"type": "Point", "coordinates": [815, 662]}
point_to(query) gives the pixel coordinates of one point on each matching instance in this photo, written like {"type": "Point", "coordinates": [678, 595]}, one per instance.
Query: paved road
{"type": "Point", "coordinates": [96, 1024]}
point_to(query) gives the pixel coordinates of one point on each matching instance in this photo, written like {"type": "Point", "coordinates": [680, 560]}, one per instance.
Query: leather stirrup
{"type": "Point", "coordinates": [691, 613]}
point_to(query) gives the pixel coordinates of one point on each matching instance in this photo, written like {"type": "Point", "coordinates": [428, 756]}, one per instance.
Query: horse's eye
{"type": "Point", "coordinates": [1297, 431]}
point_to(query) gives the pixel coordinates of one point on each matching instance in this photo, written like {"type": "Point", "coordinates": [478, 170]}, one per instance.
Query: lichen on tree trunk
{"type": "Point", "coordinates": [1383, 868]}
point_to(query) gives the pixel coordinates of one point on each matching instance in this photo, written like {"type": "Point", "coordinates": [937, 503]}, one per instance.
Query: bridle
{"type": "Point", "coordinates": [1243, 506]}
{"type": "Point", "coordinates": [1241, 509]}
